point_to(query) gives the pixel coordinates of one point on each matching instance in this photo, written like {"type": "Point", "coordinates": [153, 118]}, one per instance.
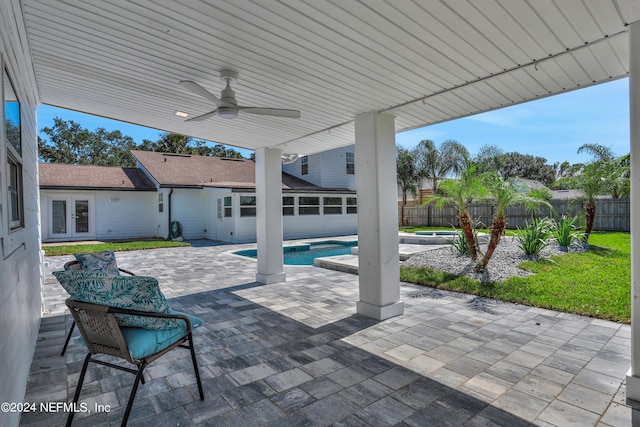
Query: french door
{"type": "Point", "coordinates": [71, 218]}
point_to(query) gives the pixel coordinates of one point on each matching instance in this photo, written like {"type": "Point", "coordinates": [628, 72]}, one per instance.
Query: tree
{"type": "Point", "coordinates": [504, 193]}
{"type": "Point", "coordinates": [516, 165]}
{"type": "Point", "coordinates": [434, 164]}
{"type": "Point", "coordinates": [489, 159]}
{"type": "Point", "coordinates": [407, 175]}
{"type": "Point", "coordinates": [220, 150]}
{"type": "Point", "coordinates": [615, 170]}
{"type": "Point", "coordinates": [182, 144]}
{"type": "Point", "coordinates": [606, 173]}
{"type": "Point", "coordinates": [457, 192]}
{"type": "Point", "coordinates": [70, 143]}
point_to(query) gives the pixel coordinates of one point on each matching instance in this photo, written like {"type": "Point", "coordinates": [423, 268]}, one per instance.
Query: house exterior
{"type": "Point", "coordinates": [333, 168]}
{"type": "Point", "coordinates": [215, 198]}
{"type": "Point", "coordinates": [79, 202]}
{"type": "Point", "coordinates": [211, 197]}
{"type": "Point", "coordinates": [111, 70]}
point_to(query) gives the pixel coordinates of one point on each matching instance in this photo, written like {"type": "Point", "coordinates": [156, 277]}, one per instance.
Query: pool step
{"type": "Point", "coordinates": [349, 263]}
{"type": "Point", "coordinates": [344, 263]}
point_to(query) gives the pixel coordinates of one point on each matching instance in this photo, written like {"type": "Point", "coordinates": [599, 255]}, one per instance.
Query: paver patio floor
{"type": "Point", "coordinates": [297, 354]}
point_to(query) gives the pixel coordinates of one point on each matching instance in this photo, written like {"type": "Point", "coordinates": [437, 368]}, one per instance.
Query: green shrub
{"type": "Point", "coordinates": [459, 243]}
{"type": "Point", "coordinates": [535, 236]}
{"type": "Point", "coordinates": [566, 231]}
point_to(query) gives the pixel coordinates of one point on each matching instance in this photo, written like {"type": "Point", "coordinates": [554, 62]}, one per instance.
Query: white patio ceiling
{"type": "Point", "coordinates": [425, 61]}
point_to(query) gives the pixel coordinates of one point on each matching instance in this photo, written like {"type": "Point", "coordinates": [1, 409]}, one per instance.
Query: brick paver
{"type": "Point", "coordinates": [296, 353]}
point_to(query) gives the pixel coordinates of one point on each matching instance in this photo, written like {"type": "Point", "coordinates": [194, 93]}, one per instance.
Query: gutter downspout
{"type": "Point", "coordinates": [169, 223]}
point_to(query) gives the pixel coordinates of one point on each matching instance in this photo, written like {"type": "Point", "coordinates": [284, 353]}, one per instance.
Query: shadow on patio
{"type": "Point", "coordinates": [295, 353]}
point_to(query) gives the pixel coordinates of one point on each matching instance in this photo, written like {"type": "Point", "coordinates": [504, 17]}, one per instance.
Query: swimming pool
{"type": "Point", "coordinates": [305, 254]}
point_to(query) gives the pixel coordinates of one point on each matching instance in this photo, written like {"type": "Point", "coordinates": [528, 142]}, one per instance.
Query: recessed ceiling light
{"type": "Point", "coordinates": [181, 114]}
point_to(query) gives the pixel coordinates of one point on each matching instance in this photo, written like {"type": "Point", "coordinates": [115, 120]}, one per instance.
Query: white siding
{"type": "Point", "coordinates": [129, 215]}
{"type": "Point", "coordinates": [315, 169]}
{"type": "Point", "coordinates": [188, 206]}
{"type": "Point", "coordinates": [334, 168]}
{"type": "Point", "coordinates": [304, 226]}
{"type": "Point", "coordinates": [211, 214]}
{"type": "Point", "coordinates": [162, 218]}
{"type": "Point", "coordinates": [134, 215]}
{"type": "Point", "coordinates": [296, 226]}
{"type": "Point", "coordinates": [221, 229]}
{"type": "Point", "coordinates": [20, 260]}
{"type": "Point", "coordinates": [326, 169]}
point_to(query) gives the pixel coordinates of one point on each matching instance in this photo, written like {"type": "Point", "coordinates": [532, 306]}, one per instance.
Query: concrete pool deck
{"type": "Point", "coordinates": [297, 354]}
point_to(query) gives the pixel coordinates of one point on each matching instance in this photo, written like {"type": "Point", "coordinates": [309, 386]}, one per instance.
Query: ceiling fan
{"type": "Point", "coordinates": [226, 106]}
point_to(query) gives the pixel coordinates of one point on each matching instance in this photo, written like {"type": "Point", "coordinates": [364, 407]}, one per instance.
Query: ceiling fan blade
{"type": "Point", "coordinates": [199, 90]}
{"type": "Point", "coordinates": [203, 116]}
{"type": "Point", "coordinates": [276, 112]}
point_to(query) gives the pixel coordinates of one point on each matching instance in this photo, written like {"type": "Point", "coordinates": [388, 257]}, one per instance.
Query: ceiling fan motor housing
{"type": "Point", "coordinates": [227, 112]}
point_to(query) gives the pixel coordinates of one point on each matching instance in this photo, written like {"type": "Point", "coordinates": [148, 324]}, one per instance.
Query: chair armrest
{"type": "Point", "coordinates": [116, 310]}
{"type": "Point", "coordinates": [126, 271]}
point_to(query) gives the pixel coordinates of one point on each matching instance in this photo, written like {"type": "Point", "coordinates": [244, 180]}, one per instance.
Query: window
{"type": "Point", "coordinates": [352, 205]}
{"type": "Point", "coordinates": [309, 206]}
{"type": "Point", "coordinates": [288, 205]}
{"type": "Point", "coordinates": [160, 202]}
{"type": "Point", "coordinates": [247, 206]}
{"type": "Point", "coordinates": [13, 140]}
{"type": "Point", "coordinates": [332, 205]}
{"type": "Point", "coordinates": [227, 207]}
{"type": "Point", "coordinates": [305, 165]}
{"type": "Point", "coordinates": [351, 167]}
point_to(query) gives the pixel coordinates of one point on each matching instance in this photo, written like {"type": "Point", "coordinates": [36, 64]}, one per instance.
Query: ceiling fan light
{"type": "Point", "coordinates": [227, 112]}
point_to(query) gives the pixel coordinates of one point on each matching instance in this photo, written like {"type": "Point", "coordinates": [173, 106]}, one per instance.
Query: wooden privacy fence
{"type": "Point", "coordinates": [611, 214]}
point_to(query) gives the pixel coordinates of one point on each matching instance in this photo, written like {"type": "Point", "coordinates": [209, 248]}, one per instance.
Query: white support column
{"type": "Point", "coordinates": [379, 268]}
{"type": "Point", "coordinates": [269, 216]}
{"type": "Point", "coordinates": [633, 376]}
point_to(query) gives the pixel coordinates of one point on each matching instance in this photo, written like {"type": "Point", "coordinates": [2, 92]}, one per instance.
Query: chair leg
{"type": "Point", "coordinates": [195, 366]}
{"type": "Point", "coordinates": [76, 396]}
{"type": "Point", "coordinates": [133, 393]}
{"type": "Point", "coordinates": [66, 343]}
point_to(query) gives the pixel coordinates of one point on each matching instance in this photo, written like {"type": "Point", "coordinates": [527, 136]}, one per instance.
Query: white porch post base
{"type": "Point", "coordinates": [380, 312]}
{"type": "Point", "coordinates": [633, 388]}
{"type": "Point", "coordinates": [268, 279]}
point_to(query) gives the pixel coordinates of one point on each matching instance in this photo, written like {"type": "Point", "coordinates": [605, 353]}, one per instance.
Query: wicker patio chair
{"type": "Point", "coordinates": [102, 335]}
{"type": "Point", "coordinates": [75, 265]}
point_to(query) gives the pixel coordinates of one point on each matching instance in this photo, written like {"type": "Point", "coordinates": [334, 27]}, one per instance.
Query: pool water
{"type": "Point", "coordinates": [305, 254]}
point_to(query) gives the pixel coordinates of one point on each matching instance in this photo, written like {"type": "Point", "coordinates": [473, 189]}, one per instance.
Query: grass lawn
{"type": "Point", "coordinates": [114, 246]}
{"type": "Point", "coordinates": [594, 283]}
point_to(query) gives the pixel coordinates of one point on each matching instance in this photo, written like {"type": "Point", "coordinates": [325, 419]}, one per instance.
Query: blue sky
{"type": "Point", "coordinates": [552, 127]}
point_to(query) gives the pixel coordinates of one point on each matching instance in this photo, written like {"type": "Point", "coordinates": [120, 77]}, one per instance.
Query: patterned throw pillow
{"type": "Point", "coordinates": [104, 261]}
{"type": "Point", "coordinates": [131, 292]}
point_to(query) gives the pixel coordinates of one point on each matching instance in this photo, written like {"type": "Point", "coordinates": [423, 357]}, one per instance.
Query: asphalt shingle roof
{"type": "Point", "coordinates": [183, 170]}
{"type": "Point", "coordinates": [56, 175]}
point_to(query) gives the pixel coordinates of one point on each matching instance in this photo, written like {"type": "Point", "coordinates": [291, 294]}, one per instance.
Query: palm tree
{"type": "Point", "coordinates": [615, 170]}
{"type": "Point", "coordinates": [591, 181]}
{"type": "Point", "coordinates": [457, 192]}
{"type": "Point", "coordinates": [505, 193]}
{"type": "Point", "coordinates": [435, 164]}
{"type": "Point", "coordinates": [407, 176]}
{"type": "Point", "coordinates": [606, 173]}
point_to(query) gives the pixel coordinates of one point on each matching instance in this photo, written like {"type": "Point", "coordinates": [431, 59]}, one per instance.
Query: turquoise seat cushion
{"type": "Point", "coordinates": [144, 342]}
{"type": "Point", "coordinates": [104, 261]}
{"type": "Point", "coordinates": [130, 292]}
